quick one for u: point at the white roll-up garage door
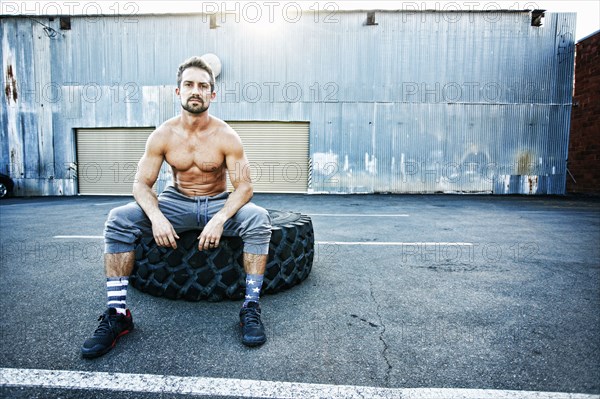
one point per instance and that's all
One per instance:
(277, 153)
(107, 159)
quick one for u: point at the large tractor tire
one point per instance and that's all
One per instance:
(217, 274)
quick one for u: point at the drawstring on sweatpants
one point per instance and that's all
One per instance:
(199, 212)
(206, 211)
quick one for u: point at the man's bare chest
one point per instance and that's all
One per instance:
(203, 156)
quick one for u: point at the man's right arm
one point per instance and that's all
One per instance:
(147, 173)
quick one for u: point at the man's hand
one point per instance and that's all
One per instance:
(211, 234)
(164, 233)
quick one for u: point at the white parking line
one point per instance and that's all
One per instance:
(371, 215)
(202, 386)
(79, 237)
(396, 243)
(110, 203)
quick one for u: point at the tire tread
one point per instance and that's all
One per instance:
(213, 275)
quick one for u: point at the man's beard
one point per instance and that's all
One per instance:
(196, 108)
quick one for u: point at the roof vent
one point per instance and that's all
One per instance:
(371, 19)
(537, 17)
(65, 23)
(213, 21)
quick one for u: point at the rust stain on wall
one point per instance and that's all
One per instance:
(533, 184)
(11, 85)
(525, 163)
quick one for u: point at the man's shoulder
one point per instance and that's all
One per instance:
(163, 132)
(159, 138)
(222, 126)
(169, 125)
(225, 132)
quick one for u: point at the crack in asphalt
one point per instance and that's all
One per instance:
(364, 320)
(381, 336)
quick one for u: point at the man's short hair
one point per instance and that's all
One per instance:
(196, 62)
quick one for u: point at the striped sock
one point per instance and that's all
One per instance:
(116, 292)
(253, 286)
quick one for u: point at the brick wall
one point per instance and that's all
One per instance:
(584, 143)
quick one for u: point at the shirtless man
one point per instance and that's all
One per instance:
(200, 150)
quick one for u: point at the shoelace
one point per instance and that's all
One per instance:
(104, 326)
(251, 317)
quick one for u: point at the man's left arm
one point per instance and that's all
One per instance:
(239, 175)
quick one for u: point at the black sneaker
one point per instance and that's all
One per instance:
(112, 326)
(253, 331)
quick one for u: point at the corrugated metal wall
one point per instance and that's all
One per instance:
(421, 102)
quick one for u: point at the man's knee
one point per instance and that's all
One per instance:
(262, 215)
(120, 216)
(122, 228)
(256, 218)
(113, 216)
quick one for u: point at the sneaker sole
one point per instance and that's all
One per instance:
(253, 344)
(91, 355)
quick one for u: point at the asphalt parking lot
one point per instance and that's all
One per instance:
(449, 292)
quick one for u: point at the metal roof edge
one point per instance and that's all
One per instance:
(588, 36)
(501, 11)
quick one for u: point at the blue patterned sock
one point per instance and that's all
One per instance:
(253, 286)
(116, 292)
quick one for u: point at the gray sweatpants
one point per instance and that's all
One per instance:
(127, 223)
